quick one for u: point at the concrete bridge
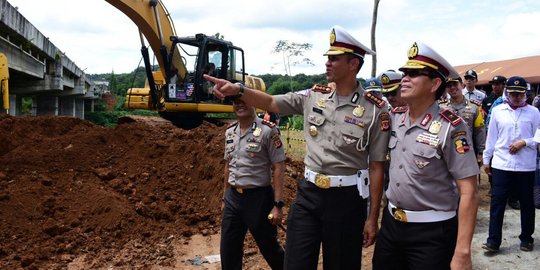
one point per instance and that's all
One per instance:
(40, 71)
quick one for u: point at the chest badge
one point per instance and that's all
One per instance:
(321, 103)
(313, 131)
(421, 164)
(257, 132)
(435, 127)
(358, 111)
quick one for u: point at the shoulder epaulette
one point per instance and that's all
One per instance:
(232, 124)
(321, 88)
(453, 118)
(268, 123)
(379, 102)
(400, 109)
(475, 102)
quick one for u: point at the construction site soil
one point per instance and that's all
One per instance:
(74, 195)
(142, 195)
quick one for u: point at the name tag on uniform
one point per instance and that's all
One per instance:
(317, 110)
(427, 138)
(230, 141)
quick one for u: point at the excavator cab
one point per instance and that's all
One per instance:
(205, 55)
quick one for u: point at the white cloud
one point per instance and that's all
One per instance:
(97, 36)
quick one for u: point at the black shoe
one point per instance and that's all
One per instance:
(514, 205)
(490, 247)
(526, 246)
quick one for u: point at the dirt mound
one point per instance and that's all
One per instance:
(70, 188)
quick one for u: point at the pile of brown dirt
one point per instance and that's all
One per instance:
(69, 188)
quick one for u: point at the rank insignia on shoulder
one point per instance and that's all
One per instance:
(321, 88)
(476, 102)
(268, 123)
(379, 102)
(453, 118)
(401, 109)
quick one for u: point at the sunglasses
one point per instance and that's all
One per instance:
(413, 73)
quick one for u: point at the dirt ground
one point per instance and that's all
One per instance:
(74, 195)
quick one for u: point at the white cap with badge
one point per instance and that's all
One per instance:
(342, 42)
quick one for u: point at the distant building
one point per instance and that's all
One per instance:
(526, 67)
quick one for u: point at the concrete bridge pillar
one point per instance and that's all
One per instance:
(45, 105)
(79, 108)
(15, 105)
(67, 106)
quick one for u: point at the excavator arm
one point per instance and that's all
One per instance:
(155, 24)
(4, 78)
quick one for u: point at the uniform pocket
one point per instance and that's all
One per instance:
(351, 136)
(425, 151)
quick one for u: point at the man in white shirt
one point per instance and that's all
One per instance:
(470, 92)
(510, 144)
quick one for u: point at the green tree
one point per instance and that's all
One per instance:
(292, 54)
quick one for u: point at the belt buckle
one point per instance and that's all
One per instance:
(239, 190)
(399, 214)
(322, 181)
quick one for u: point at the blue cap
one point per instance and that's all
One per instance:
(373, 85)
(516, 84)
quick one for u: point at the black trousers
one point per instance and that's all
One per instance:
(503, 183)
(249, 211)
(334, 217)
(423, 246)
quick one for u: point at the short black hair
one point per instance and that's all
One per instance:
(351, 56)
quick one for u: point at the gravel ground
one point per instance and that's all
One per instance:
(509, 255)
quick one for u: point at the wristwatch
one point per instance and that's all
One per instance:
(242, 89)
(279, 204)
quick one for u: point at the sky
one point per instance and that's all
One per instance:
(99, 38)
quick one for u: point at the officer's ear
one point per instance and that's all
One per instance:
(436, 84)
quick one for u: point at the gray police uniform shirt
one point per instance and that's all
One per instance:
(250, 156)
(340, 134)
(427, 157)
(474, 94)
(472, 114)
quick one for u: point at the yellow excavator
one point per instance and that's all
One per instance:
(4, 78)
(177, 90)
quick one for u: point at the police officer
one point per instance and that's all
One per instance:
(470, 91)
(342, 127)
(497, 86)
(252, 148)
(432, 175)
(391, 81)
(470, 111)
(510, 143)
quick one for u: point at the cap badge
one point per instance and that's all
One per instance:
(333, 37)
(413, 51)
(358, 111)
(516, 82)
(385, 79)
